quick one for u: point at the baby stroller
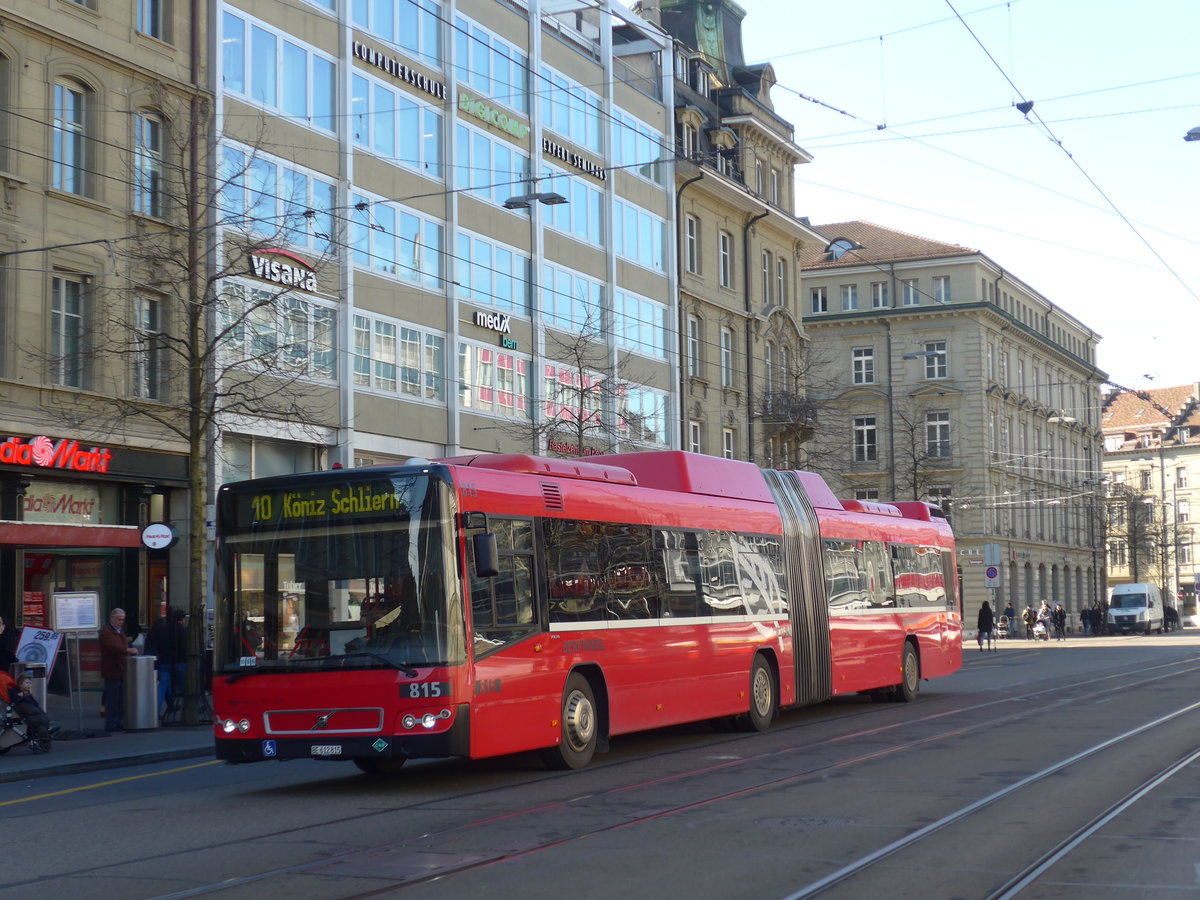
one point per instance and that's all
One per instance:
(1040, 631)
(22, 720)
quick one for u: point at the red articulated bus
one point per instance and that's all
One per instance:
(494, 604)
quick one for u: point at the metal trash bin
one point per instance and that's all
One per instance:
(141, 694)
(38, 671)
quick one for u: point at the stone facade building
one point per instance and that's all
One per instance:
(943, 377)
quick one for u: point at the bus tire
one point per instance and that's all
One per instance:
(381, 767)
(580, 723)
(764, 702)
(910, 676)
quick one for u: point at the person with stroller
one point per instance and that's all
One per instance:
(24, 720)
(1045, 621)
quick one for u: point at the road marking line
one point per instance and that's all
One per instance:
(92, 787)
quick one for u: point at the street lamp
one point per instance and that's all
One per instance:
(524, 201)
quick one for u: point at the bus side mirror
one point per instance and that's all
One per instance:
(487, 555)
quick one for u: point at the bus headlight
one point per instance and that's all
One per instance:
(228, 726)
(243, 726)
(429, 720)
(409, 721)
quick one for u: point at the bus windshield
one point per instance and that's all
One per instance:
(320, 573)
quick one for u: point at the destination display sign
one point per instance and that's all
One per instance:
(323, 501)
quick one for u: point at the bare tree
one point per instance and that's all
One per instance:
(591, 405)
(209, 318)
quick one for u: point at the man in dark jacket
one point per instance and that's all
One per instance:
(114, 660)
(167, 643)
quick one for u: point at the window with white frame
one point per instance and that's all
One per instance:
(820, 299)
(691, 243)
(396, 128)
(69, 164)
(781, 281)
(414, 26)
(725, 258)
(67, 329)
(640, 324)
(866, 448)
(147, 164)
(938, 494)
(767, 276)
(399, 359)
(910, 292)
(941, 288)
(639, 235)
(637, 147)
(727, 439)
(491, 273)
(396, 241)
(759, 182)
(490, 168)
(694, 443)
(582, 216)
(866, 493)
(863, 362)
(769, 369)
(937, 434)
(849, 297)
(490, 65)
(273, 198)
(642, 414)
(570, 110)
(1117, 555)
(270, 68)
(775, 187)
(879, 295)
(493, 381)
(270, 329)
(153, 18)
(1181, 476)
(1185, 552)
(1182, 511)
(936, 360)
(149, 352)
(571, 300)
(687, 140)
(693, 346)
(726, 357)
(572, 396)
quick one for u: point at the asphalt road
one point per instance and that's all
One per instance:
(1065, 770)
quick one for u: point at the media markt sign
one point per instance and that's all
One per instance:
(158, 536)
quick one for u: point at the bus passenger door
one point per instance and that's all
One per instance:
(513, 701)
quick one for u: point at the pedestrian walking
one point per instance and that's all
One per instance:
(1011, 618)
(1029, 617)
(1059, 617)
(167, 643)
(985, 625)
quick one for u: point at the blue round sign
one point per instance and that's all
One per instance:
(991, 572)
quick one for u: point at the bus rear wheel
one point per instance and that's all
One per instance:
(763, 701)
(380, 766)
(910, 669)
(580, 727)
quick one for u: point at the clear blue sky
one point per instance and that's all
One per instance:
(1115, 85)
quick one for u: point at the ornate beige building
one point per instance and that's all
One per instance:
(743, 343)
(1152, 471)
(941, 376)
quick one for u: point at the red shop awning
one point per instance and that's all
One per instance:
(39, 534)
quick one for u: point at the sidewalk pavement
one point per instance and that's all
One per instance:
(89, 748)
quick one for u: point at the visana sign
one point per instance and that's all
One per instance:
(65, 454)
(283, 267)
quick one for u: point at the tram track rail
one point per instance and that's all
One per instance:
(1094, 688)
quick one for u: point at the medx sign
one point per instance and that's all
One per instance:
(496, 321)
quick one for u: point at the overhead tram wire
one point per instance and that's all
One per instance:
(1026, 106)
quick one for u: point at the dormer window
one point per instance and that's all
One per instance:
(839, 248)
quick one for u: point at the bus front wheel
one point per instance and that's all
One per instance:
(579, 724)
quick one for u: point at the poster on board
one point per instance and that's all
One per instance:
(39, 646)
(76, 611)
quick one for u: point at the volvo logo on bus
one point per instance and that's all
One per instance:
(323, 721)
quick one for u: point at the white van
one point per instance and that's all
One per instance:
(1135, 607)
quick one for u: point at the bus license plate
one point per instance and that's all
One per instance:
(326, 749)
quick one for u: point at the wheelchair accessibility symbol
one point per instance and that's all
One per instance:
(269, 748)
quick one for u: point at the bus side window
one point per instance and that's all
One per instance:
(503, 607)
